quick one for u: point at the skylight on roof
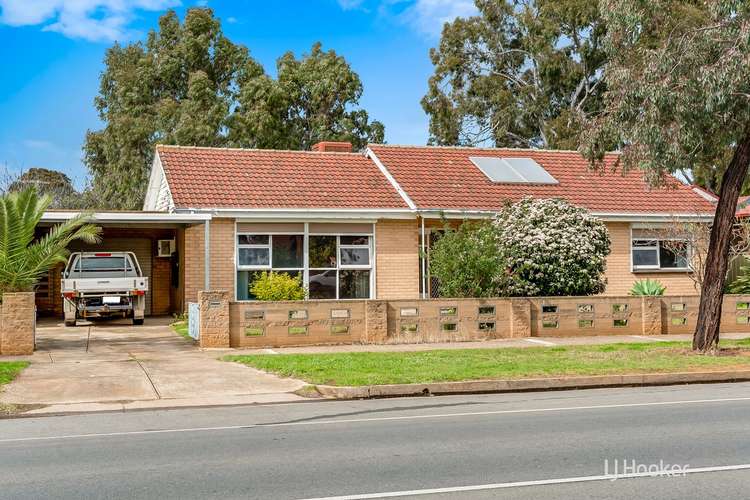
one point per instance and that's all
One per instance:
(512, 170)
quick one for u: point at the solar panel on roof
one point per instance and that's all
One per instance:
(496, 169)
(512, 170)
(530, 170)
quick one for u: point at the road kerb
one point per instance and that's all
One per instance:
(530, 384)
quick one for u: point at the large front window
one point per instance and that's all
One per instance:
(334, 266)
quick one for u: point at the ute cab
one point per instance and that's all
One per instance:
(102, 285)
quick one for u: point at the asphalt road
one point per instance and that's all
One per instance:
(530, 445)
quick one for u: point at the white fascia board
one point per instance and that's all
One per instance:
(128, 217)
(653, 217)
(456, 214)
(302, 214)
(154, 184)
(605, 216)
(369, 153)
(157, 178)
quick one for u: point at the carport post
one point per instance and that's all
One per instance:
(206, 256)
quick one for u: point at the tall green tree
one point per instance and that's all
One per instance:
(188, 84)
(674, 97)
(25, 258)
(313, 98)
(520, 73)
(175, 88)
(47, 182)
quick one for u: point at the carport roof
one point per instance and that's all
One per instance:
(129, 217)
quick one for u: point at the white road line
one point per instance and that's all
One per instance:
(375, 419)
(540, 482)
(537, 341)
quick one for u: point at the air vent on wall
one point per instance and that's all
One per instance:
(512, 170)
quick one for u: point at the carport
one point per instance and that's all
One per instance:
(156, 238)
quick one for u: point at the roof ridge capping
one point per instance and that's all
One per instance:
(490, 148)
(259, 150)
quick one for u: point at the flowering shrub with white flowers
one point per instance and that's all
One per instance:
(550, 247)
(532, 248)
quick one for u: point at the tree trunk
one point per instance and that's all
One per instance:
(706, 335)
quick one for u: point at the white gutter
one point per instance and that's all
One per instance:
(128, 217)
(305, 213)
(605, 216)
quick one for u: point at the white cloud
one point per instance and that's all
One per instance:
(427, 17)
(96, 20)
(350, 4)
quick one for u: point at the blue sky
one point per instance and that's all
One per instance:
(53, 49)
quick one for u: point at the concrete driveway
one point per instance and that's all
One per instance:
(114, 365)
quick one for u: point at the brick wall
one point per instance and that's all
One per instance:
(620, 278)
(222, 258)
(17, 324)
(397, 249)
(267, 324)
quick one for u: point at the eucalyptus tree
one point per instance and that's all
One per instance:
(189, 84)
(520, 73)
(678, 91)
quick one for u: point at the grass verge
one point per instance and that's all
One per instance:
(374, 368)
(181, 328)
(10, 370)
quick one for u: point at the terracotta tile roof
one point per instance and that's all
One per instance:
(247, 178)
(445, 178)
(743, 207)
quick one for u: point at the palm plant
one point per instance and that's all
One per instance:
(24, 259)
(647, 287)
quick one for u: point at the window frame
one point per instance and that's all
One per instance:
(339, 266)
(340, 247)
(306, 269)
(268, 246)
(657, 248)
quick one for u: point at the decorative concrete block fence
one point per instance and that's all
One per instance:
(273, 324)
(17, 324)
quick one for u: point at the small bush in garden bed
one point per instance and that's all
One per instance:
(741, 284)
(278, 286)
(533, 247)
(647, 287)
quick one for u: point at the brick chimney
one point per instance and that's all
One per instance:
(332, 147)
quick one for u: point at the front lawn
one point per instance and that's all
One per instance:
(371, 368)
(10, 370)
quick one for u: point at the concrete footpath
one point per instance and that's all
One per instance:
(110, 366)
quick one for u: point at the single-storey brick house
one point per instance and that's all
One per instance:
(356, 225)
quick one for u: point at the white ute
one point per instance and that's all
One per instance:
(102, 285)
